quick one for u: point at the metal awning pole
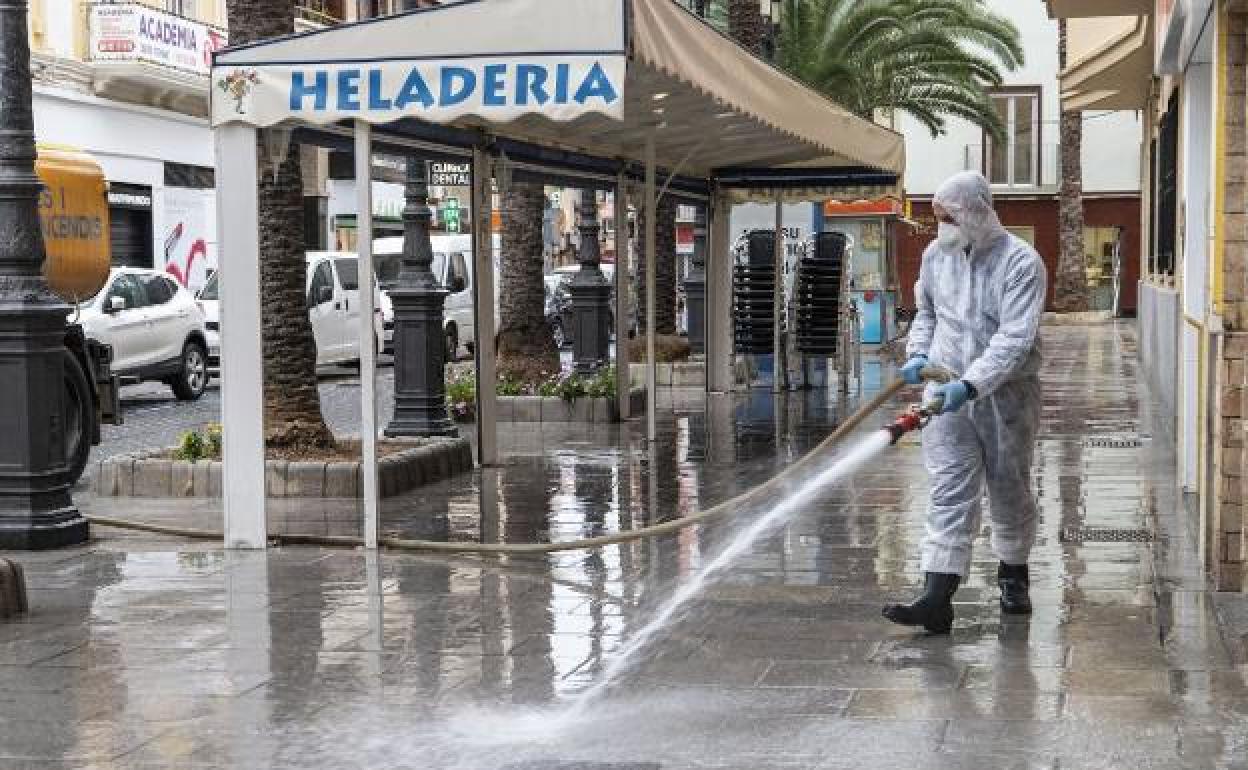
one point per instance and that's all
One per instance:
(651, 400)
(483, 310)
(623, 378)
(777, 323)
(367, 331)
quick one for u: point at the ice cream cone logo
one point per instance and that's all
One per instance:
(237, 85)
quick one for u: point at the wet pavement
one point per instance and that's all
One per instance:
(150, 652)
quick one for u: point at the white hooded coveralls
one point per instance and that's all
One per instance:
(978, 316)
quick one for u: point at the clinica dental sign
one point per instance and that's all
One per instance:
(560, 87)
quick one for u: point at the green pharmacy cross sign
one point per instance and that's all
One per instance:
(450, 215)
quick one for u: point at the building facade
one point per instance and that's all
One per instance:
(1183, 63)
(128, 83)
(1024, 170)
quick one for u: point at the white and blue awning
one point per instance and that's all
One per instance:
(590, 76)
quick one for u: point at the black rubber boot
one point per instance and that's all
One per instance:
(1014, 582)
(934, 609)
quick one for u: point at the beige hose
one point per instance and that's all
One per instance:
(654, 530)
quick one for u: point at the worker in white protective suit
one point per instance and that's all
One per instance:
(980, 296)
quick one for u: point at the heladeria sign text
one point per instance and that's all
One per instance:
(561, 88)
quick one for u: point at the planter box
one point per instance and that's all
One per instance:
(679, 374)
(555, 409)
(152, 474)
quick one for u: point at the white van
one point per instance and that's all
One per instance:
(333, 300)
(453, 267)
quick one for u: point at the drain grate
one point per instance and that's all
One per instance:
(1105, 535)
(1112, 442)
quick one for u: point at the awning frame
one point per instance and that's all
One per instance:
(783, 163)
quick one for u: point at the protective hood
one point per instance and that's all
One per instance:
(967, 197)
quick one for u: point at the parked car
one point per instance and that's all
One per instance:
(453, 267)
(154, 327)
(333, 301)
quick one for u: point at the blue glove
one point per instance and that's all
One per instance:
(955, 395)
(910, 372)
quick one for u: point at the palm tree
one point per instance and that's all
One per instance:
(1070, 292)
(526, 347)
(292, 401)
(745, 25)
(930, 59)
(664, 268)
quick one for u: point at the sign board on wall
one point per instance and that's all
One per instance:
(498, 89)
(450, 174)
(133, 32)
(185, 235)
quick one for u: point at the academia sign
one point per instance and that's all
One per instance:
(132, 32)
(498, 89)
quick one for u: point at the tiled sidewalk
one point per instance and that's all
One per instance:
(148, 652)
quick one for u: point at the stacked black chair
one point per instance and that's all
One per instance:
(818, 295)
(753, 294)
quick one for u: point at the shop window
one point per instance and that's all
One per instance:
(1015, 160)
(1165, 190)
(192, 177)
(1101, 247)
(1024, 232)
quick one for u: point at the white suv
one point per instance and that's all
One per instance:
(154, 327)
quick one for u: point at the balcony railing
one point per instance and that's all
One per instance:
(315, 14)
(1026, 168)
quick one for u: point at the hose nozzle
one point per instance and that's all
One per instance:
(906, 422)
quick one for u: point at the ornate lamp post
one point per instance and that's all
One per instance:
(591, 295)
(695, 285)
(36, 510)
(419, 342)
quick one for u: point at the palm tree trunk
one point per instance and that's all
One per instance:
(745, 25)
(1071, 287)
(292, 401)
(664, 268)
(526, 348)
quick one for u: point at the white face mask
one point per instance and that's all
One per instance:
(950, 237)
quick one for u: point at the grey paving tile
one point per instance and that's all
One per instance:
(963, 704)
(860, 676)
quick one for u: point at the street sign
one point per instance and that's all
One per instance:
(450, 174)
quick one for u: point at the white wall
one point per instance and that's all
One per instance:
(58, 20)
(1111, 151)
(114, 130)
(1196, 185)
(1111, 143)
(131, 144)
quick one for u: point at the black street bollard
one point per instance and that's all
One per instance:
(591, 295)
(419, 342)
(36, 510)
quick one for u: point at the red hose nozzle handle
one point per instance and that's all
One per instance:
(912, 420)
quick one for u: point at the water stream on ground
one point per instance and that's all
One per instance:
(843, 467)
(501, 728)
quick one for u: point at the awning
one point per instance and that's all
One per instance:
(590, 76)
(601, 92)
(1115, 72)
